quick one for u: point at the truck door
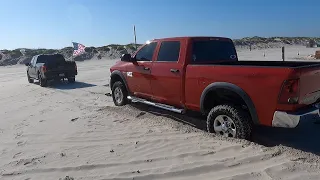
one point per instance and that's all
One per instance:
(167, 72)
(139, 71)
(32, 68)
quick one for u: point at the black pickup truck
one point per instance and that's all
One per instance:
(50, 67)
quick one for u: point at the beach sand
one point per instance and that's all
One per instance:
(70, 131)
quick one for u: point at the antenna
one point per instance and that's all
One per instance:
(135, 36)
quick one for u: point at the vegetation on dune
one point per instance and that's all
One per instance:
(285, 40)
(33, 52)
(15, 53)
(104, 48)
(133, 46)
(113, 51)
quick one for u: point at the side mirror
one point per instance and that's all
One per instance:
(27, 64)
(126, 57)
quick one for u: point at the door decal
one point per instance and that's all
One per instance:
(129, 74)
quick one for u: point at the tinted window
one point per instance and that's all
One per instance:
(33, 61)
(213, 51)
(169, 51)
(57, 58)
(146, 53)
(41, 59)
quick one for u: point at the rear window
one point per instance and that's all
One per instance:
(204, 52)
(57, 58)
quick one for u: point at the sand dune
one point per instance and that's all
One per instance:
(74, 131)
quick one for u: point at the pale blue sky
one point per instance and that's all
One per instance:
(55, 23)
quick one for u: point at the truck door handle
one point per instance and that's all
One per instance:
(174, 70)
(146, 68)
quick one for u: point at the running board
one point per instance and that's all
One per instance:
(159, 105)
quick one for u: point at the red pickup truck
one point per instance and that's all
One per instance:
(203, 74)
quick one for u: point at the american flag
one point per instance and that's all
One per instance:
(78, 48)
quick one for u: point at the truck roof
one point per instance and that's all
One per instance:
(191, 37)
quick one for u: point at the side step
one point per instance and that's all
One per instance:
(159, 105)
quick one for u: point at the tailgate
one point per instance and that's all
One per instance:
(61, 67)
(58, 68)
(309, 85)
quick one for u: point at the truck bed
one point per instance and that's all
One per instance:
(267, 78)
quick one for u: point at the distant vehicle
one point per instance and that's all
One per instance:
(50, 67)
(203, 74)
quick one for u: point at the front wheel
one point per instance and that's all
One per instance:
(229, 121)
(119, 94)
(29, 78)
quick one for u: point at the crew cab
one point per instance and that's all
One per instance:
(204, 74)
(50, 67)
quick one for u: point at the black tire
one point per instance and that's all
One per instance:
(43, 82)
(71, 79)
(29, 79)
(118, 87)
(240, 118)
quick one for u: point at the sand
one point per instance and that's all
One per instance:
(68, 131)
(292, 53)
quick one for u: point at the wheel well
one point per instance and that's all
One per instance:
(223, 96)
(114, 79)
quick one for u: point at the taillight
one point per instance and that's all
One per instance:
(44, 69)
(289, 92)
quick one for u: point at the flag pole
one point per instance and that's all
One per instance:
(135, 36)
(72, 51)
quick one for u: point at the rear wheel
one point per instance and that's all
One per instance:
(119, 94)
(29, 79)
(229, 121)
(43, 82)
(71, 79)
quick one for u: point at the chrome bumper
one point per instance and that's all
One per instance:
(291, 120)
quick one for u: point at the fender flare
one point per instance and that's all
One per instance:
(236, 89)
(118, 73)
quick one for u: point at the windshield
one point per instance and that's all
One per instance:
(212, 51)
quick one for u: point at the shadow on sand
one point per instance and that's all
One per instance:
(65, 85)
(305, 137)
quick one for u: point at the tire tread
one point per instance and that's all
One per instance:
(240, 117)
(124, 91)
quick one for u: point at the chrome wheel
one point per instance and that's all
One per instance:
(118, 95)
(224, 126)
